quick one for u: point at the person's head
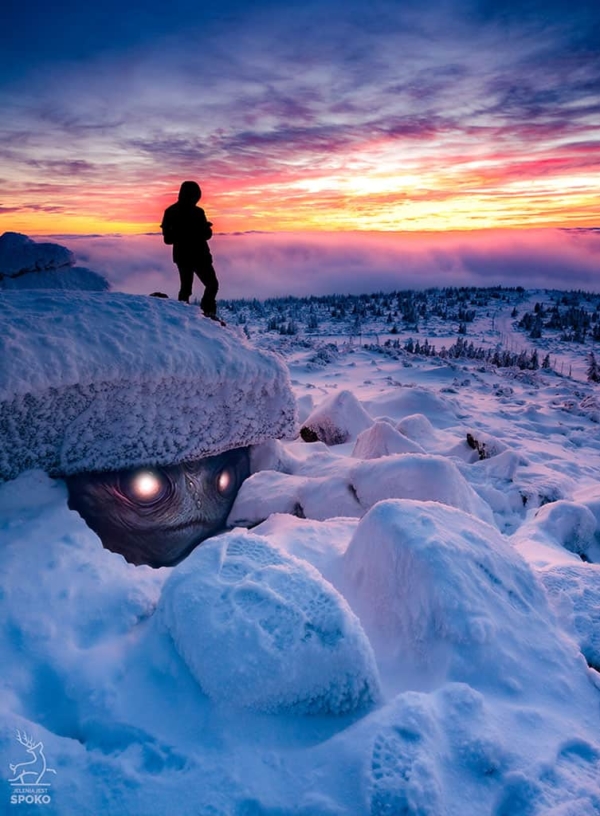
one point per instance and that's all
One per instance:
(190, 192)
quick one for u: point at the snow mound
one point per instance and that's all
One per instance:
(590, 498)
(269, 492)
(348, 488)
(570, 525)
(322, 544)
(109, 381)
(382, 439)
(414, 476)
(261, 628)
(66, 603)
(448, 599)
(502, 467)
(73, 572)
(27, 264)
(418, 428)
(410, 400)
(336, 420)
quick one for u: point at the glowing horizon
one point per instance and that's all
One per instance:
(326, 203)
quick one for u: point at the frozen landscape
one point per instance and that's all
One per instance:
(403, 615)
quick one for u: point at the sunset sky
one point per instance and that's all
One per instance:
(298, 116)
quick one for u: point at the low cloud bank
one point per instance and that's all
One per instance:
(266, 265)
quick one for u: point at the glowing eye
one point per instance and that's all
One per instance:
(145, 486)
(224, 481)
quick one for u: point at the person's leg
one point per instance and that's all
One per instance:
(186, 277)
(208, 276)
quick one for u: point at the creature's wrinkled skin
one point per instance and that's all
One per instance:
(157, 515)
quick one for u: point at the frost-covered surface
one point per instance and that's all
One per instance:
(109, 381)
(28, 264)
(252, 623)
(436, 609)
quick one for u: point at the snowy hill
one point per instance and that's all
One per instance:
(403, 617)
(27, 264)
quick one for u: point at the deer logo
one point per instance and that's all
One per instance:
(33, 771)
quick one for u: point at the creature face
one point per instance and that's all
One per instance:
(157, 515)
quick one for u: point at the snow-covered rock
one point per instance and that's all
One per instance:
(261, 629)
(20, 255)
(109, 381)
(561, 532)
(28, 264)
(381, 439)
(419, 429)
(337, 419)
(571, 525)
(486, 445)
(447, 599)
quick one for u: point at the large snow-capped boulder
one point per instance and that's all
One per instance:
(261, 629)
(93, 382)
(28, 264)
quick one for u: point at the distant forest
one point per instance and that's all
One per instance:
(575, 315)
(394, 321)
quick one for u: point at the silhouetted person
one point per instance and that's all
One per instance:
(185, 226)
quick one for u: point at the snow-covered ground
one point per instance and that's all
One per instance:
(404, 622)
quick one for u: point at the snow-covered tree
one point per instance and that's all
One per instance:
(593, 372)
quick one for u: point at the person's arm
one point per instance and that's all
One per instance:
(205, 226)
(168, 228)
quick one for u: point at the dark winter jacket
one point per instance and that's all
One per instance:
(186, 227)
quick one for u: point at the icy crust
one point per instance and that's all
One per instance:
(261, 629)
(108, 381)
(28, 264)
